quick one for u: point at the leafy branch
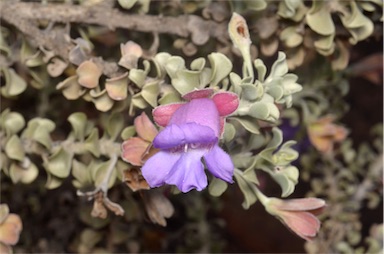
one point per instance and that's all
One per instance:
(26, 16)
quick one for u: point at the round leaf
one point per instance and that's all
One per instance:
(217, 187)
(221, 67)
(14, 149)
(12, 122)
(59, 163)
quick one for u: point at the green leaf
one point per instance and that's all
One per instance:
(99, 173)
(229, 132)
(186, 81)
(249, 92)
(14, 148)
(286, 154)
(101, 100)
(81, 174)
(357, 24)
(235, 82)
(277, 138)
(150, 92)
(139, 102)
(114, 125)
(128, 132)
(221, 67)
(277, 92)
(14, 84)
(78, 121)
(12, 122)
(287, 178)
(160, 61)
(205, 77)
(92, 143)
(31, 57)
(259, 110)
(279, 67)
(24, 172)
(250, 175)
(170, 97)
(245, 187)
(325, 45)
(290, 37)
(242, 160)
(198, 64)
(70, 88)
(290, 85)
(4, 163)
(248, 123)
(319, 19)
(273, 112)
(4, 211)
(137, 76)
(261, 69)
(255, 142)
(217, 187)
(173, 65)
(38, 129)
(53, 182)
(59, 163)
(256, 5)
(287, 9)
(144, 6)
(127, 4)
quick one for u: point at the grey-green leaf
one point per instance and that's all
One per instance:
(59, 163)
(221, 67)
(217, 187)
(245, 187)
(14, 149)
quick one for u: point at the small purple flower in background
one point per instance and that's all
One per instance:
(192, 131)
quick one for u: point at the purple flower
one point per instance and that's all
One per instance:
(192, 131)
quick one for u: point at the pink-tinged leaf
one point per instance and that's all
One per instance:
(340, 133)
(10, 229)
(301, 204)
(163, 114)
(198, 94)
(89, 74)
(304, 224)
(145, 128)
(226, 102)
(133, 149)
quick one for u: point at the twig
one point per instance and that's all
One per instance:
(96, 15)
(24, 16)
(104, 184)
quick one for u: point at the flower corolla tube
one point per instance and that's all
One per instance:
(192, 132)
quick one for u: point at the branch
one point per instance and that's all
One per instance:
(24, 16)
(96, 15)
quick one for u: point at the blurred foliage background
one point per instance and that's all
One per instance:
(76, 73)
